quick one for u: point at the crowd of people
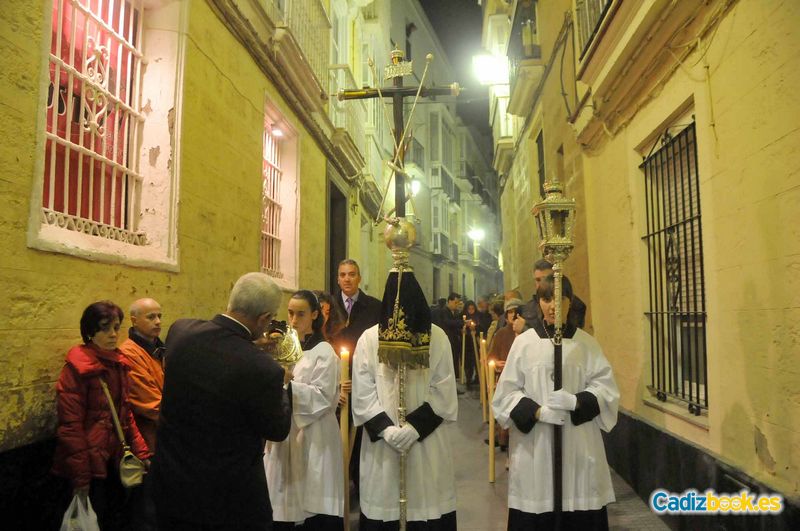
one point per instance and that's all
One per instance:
(230, 439)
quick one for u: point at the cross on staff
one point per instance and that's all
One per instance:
(398, 92)
(400, 233)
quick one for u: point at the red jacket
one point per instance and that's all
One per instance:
(87, 438)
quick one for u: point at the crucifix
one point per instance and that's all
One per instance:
(405, 325)
(398, 92)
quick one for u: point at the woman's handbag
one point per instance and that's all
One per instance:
(131, 468)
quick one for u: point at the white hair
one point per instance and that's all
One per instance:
(254, 294)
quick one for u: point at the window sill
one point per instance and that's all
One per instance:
(57, 240)
(677, 410)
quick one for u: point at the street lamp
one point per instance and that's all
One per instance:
(555, 219)
(415, 187)
(476, 235)
(490, 69)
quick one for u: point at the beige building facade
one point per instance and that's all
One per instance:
(672, 125)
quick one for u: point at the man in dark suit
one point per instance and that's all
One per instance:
(450, 320)
(361, 310)
(529, 315)
(223, 397)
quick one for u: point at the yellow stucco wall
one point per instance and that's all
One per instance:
(521, 236)
(221, 146)
(750, 193)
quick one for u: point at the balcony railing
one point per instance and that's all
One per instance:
(350, 115)
(523, 43)
(310, 26)
(589, 14)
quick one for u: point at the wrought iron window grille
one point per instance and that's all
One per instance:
(677, 313)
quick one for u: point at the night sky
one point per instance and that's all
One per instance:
(458, 25)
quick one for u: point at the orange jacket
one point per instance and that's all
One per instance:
(147, 383)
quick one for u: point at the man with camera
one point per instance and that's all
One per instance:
(223, 397)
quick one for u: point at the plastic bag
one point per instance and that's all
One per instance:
(79, 516)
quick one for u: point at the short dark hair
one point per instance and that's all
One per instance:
(453, 296)
(349, 261)
(547, 288)
(542, 265)
(94, 315)
(497, 308)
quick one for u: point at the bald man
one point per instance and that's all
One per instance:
(145, 351)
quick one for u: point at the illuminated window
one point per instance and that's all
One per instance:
(279, 224)
(270, 196)
(91, 177)
(106, 180)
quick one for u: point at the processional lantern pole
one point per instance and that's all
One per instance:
(555, 220)
(409, 350)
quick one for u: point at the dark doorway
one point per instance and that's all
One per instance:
(337, 232)
(437, 285)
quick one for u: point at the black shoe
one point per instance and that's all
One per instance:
(486, 442)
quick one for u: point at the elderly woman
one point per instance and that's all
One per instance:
(88, 448)
(304, 472)
(526, 403)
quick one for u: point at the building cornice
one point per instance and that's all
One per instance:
(278, 55)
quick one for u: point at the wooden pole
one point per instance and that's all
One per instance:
(462, 372)
(482, 377)
(558, 433)
(476, 353)
(344, 426)
(491, 422)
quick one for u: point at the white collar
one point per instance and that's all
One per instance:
(354, 297)
(249, 333)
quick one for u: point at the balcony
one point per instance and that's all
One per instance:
(589, 15)
(309, 27)
(440, 246)
(487, 259)
(441, 179)
(348, 119)
(503, 136)
(415, 157)
(526, 67)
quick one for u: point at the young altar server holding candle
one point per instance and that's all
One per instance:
(305, 472)
(525, 402)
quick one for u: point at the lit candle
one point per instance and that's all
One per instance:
(491, 422)
(345, 365)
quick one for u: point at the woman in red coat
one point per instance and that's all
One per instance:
(88, 448)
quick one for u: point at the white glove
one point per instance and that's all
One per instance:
(562, 399)
(407, 437)
(552, 416)
(391, 435)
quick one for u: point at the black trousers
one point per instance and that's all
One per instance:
(170, 523)
(582, 520)
(446, 523)
(318, 522)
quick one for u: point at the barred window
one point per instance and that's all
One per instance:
(280, 182)
(91, 178)
(270, 196)
(97, 192)
(677, 312)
